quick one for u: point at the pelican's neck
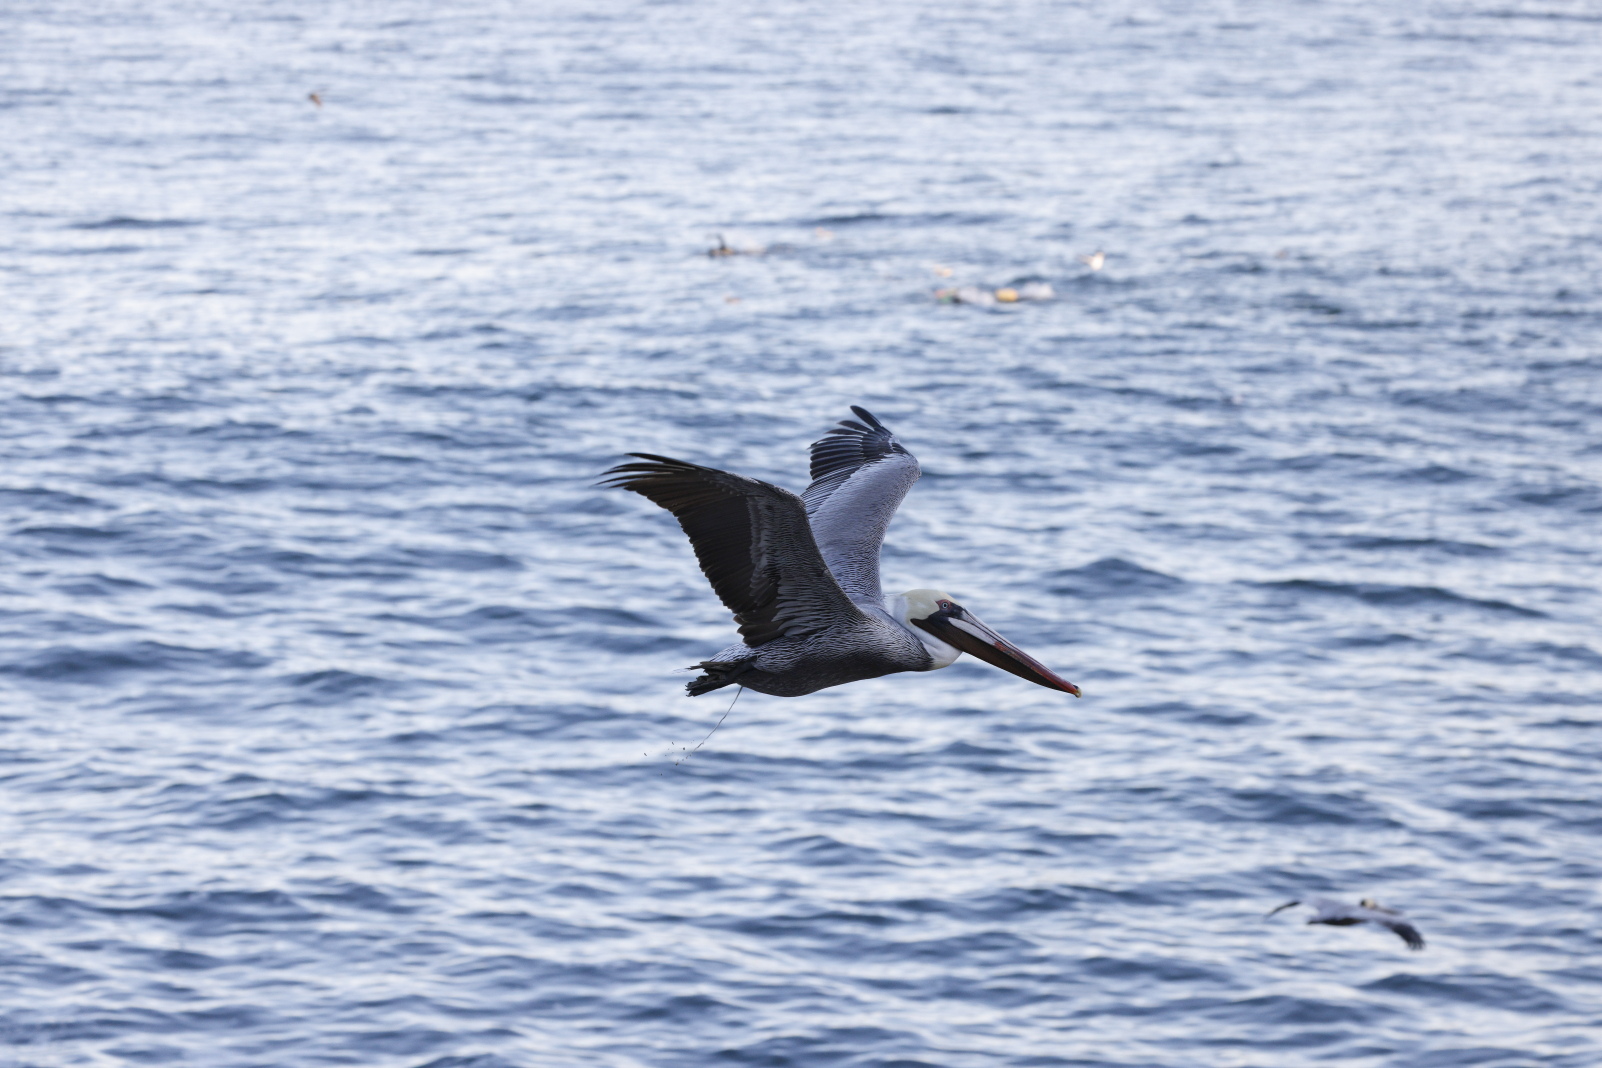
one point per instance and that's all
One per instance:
(940, 654)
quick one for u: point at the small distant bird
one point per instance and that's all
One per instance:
(315, 98)
(801, 573)
(723, 248)
(965, 295)
(1095, 261)
(1340, 914)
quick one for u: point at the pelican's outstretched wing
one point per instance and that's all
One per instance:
(1374, 912)
(1407, 931)
(753, 542)
(860, 473)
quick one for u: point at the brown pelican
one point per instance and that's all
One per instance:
(801, 574)
(1340, 914)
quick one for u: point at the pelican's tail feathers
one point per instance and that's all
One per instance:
(716, 675)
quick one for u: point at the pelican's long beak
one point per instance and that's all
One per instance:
(961, 629)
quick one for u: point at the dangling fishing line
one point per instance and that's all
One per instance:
(714, 729)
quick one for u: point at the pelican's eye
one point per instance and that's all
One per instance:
(947, 606)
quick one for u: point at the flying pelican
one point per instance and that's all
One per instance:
(801, 574)
(1340, 914)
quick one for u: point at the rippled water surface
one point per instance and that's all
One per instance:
(341, 710)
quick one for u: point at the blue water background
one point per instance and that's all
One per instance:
(340, 709)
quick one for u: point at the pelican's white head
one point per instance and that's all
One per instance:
(915, 605)
(948, 630)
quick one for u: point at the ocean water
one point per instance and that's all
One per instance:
(343, 714)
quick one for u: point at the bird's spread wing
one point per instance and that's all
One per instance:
(1374, 912)
(860, 473)
(1385, 917)
(753, 541)
(1407, 931)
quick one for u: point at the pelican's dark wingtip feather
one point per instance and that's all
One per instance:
(653, 462)
(618, 474)
(866, 416)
